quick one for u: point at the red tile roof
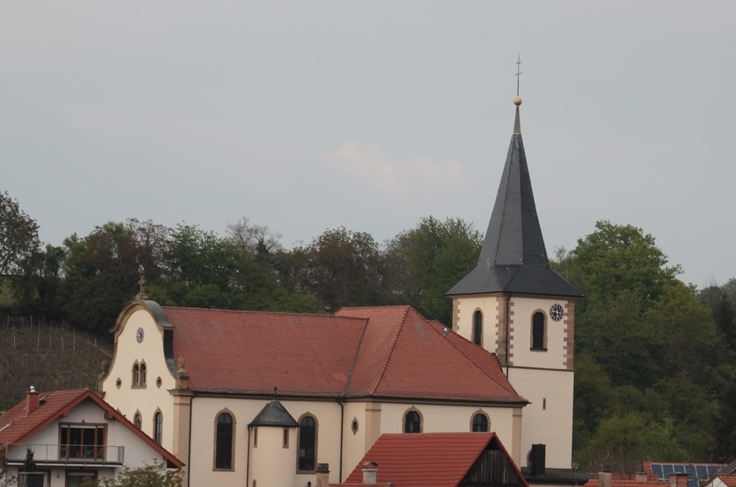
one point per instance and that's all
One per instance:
(625, 483)
(358, 352)
(425, 459)
(17, 426)
(729, 480)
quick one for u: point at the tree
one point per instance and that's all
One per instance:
(18, 236)
(616, 258)
(255, 239)
(340, 267)
(425, 262)
(155, 475)
(102, 270)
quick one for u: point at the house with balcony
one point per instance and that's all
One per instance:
(57, 439)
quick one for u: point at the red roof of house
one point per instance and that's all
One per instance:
(729, 480)
(425, 459)
(17, 426)
(358, 352)
(617, 482)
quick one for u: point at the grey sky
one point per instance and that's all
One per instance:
(305, 116)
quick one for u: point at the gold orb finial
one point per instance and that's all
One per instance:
(517, 101)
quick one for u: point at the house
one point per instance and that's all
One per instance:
(239, 395)
(71, 435)
(656, 474)
(722, 480)
(437, 460)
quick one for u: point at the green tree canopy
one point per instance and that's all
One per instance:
(155, 475)
(425, 262)
(18, 236)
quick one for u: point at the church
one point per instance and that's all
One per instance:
(262, 399)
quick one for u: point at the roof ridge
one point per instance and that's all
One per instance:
(260, 312)
(392, 348)
(355, 359)
(511, 390)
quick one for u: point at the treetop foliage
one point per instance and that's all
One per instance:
(18, 236)
(656, 360)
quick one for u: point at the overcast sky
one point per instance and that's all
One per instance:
(311, 115)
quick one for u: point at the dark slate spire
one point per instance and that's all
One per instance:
(274, 414)
(513, 258)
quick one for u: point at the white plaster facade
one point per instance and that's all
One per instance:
(345, 429)
(543, 376)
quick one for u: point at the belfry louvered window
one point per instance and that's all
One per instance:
(538, 331)
(478, 328)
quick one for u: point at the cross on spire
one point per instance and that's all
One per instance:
(518, 73)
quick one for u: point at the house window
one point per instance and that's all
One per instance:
(480, 423)
(224, 441)
(412, 422)
(157, 426)
(539, 330)
(75, 479)
(82, 441)
(138, 420)
(31, 479)
(307, 443)
(286, 438)
(478, 328)
(142, 377)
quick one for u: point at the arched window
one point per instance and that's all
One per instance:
(480, 423)
(138, 420)
(412, 422)
(478, 328)
(136, 374)
(307, 443)
(142, 375)
(158, 421)
(538, 331)
(224, 441)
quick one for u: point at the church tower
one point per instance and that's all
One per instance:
(514, 305)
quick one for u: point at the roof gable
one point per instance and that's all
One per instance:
(17, 426)
(429, 459)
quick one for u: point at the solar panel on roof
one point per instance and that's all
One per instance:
(698, 474)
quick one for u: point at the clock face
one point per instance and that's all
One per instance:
(556, 312)
(139, 335)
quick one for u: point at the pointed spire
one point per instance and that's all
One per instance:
(513, 257)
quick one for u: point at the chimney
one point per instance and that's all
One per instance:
(678, 480)
(605, 478)
(537, 459)
(31, 400)
(323, 475)
(641, 477)
(370, 473)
